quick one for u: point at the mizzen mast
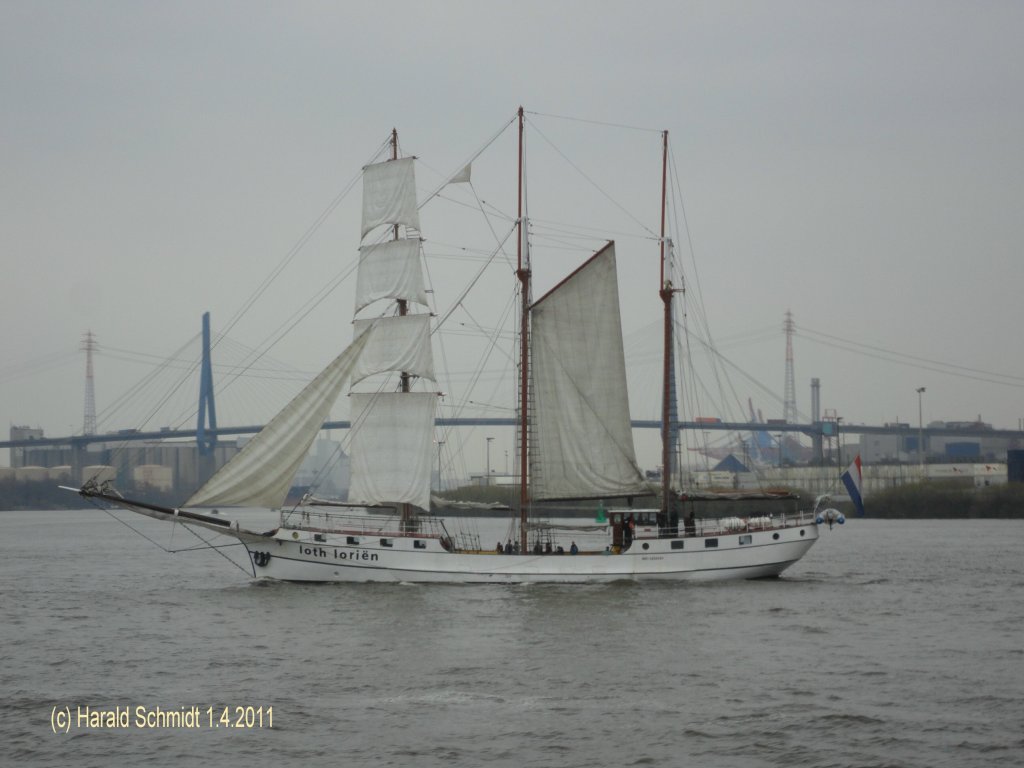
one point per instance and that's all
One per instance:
(523, 273)
(665, 291)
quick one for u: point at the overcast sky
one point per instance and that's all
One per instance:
(857, 163)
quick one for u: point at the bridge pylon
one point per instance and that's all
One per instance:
(207, 418)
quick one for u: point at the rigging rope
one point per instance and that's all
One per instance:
(208, 545)
(594, 184)
(594, 122)
(961, 371)
(471, 159)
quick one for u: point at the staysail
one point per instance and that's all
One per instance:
(582, 441)
(261, 474)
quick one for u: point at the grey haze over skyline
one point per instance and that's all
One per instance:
(857, 163)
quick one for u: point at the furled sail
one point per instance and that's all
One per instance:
(391, 449)
(582, 441)
(390, 270)
(261, 474)
(399, 343)
(389, 195)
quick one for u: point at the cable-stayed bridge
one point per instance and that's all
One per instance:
(818, 430)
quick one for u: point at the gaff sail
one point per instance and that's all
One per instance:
(582, 441)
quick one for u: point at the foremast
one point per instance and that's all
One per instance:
(403, 304)
(393, 426)
(403, 310)
(392, 431)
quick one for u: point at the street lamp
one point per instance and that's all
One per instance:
(489, 441)
(439, 444)
(920, 429)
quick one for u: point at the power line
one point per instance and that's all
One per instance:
(912, 361)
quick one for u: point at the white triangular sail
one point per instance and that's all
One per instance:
(399, 343)
(390, 270)
(391, 451)
(389, 195)
(261, 474)
(463, 176)
(582, 441)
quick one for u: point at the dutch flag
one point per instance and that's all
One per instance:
(852, 480)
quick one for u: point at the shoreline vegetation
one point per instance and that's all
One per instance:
(946, 499)
(933, 499)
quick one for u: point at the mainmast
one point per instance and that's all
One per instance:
(665, 291)
(523, 273)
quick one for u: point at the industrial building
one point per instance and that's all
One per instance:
(176, 467)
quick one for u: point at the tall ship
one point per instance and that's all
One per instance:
(574, 440)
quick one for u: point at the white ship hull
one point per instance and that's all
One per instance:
(292, 555)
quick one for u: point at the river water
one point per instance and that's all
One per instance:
(892, 643)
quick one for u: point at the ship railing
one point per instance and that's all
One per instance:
(726, 525)
(362, 524)
(466, 542)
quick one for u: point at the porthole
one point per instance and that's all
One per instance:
(387, 543)
(678, 544)
(351, 540)
(802, 531)
(775, 536)
(709, 543)
(646, 545)
(418, 544)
